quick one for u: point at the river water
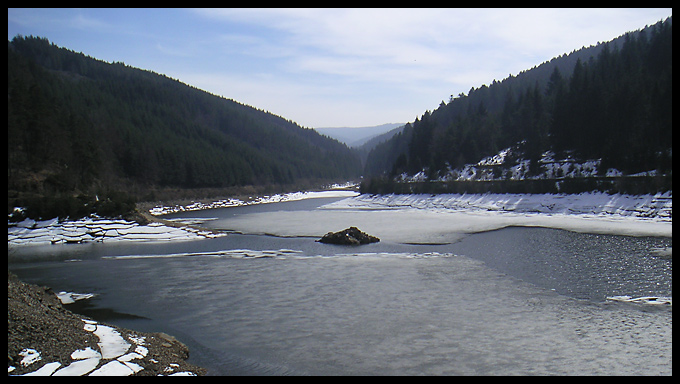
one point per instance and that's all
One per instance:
(514, 301)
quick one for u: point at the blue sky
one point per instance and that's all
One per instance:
(331, 67)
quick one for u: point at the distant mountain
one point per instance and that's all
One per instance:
(80, 125)
(611, 103)
(357, 136)
(364, 149)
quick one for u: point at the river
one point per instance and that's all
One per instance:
(512, 301)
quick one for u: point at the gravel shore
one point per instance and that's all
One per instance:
(37, 322)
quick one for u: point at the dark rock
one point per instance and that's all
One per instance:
(349, 236)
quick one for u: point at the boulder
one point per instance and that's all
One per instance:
(349, 236)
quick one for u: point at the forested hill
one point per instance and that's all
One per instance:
(610, 102)
(77, 125)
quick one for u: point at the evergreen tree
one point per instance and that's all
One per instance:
(86, 124)
(611, 102)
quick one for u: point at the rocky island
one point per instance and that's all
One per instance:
(349, 236)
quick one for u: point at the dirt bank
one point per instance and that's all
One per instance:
(37, 321)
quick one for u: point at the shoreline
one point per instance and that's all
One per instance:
(443, 219)
(162, 208)
(145, 224)
(587, 212)
(46, 339)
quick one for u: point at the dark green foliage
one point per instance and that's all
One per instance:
(108, 204)
(611, 102)
(77, 124)
(633, 185)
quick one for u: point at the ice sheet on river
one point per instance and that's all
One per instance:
(30, 232)
(446, 218)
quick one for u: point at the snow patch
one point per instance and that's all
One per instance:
(113, 368)
(111, 343)
(45, 370)
(277, 198)
(29, 232)
(80, 367)
(112, 346)
(499, 167)
(658, 207)
(30, 356)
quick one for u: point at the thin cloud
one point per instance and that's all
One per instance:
(391, 64)
(363, 44)
(413, 51)
(56, 19)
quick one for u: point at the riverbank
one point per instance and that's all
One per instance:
(657, 206)
(31, 233)
(163, 208)
(44, 338)
(450, 215)
(445, 219)
(145, 225)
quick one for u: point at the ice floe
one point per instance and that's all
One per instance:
(111, 343)
(30, 232)
(85, 361)
(229, 253)
(45, 370)
(70, 297)
(649, 300)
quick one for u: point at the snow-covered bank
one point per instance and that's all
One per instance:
(233, 202)
(46, 339)
(656, 207)
(641, 215)
(53, 231)
(447, 218)
(401, 218)
(30, 232)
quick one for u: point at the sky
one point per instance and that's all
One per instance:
(331, 67)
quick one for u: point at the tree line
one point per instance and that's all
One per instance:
(78, 125)
(611, 102)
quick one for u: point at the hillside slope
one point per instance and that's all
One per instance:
(80, 125)
(610, 103)
(357, 136)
